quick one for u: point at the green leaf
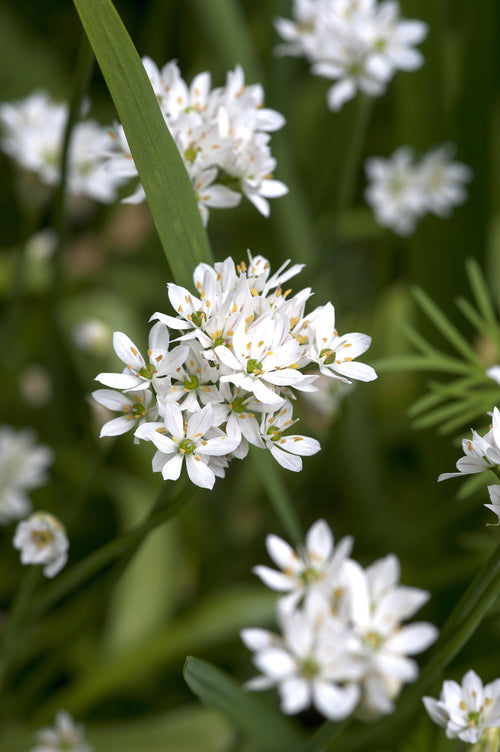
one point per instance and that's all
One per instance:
(264, 726)
(480, 291)
(445, 326)
(161, 170)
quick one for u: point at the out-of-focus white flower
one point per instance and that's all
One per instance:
(33, 132)
(92, 336)
(494, 492)
(222, 135)
(443, 181)
(401, 190)
(65, 735)
(360, 44)
(466, 710)
(244, 349)
(42, 539)
(494, 373)
(314, 663)
(35, 385)
(23, 467)
(379, 606)
(481, 452)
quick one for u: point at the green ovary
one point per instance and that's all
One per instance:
(254, 366)
(328, 355)
(147, 372)
(186, 446)
(191, 382)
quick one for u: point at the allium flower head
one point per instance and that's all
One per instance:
(42, 539)
(480, 452)
(360, 44)
(243, 346)
(344, 645)
(402, 190)
(66, 736)
(222, 135)
(33, 132)
(23, 467)
(466, 710)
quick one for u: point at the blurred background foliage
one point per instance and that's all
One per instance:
(112, 652)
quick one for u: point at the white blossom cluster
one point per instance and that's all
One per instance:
(65, 735)
(468, 711)
(23, 467)
(401, 191)
(482, 453)
(222, 135)
(245, 346)
(32, 134)
(359, 44)
(343, 647)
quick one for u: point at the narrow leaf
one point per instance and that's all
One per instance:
(444, 325)
(480, 291)
(161, 170)
(267, 728)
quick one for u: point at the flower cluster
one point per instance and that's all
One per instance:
(482, 453)
(66, 735)
(42, 539)
(343, 647)
(359, 44)
(33, 132)
(401, 191)
(23, 467)
(230, 377)
(222, 135)
(468, 710)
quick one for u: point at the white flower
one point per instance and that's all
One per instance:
(401, 191)
(335, 354)
(494, 373)
(33, 136)
(307, 569)
(66, 735)
(466, 710)
(313, 663)
(494, 492)
(42, 539)
(394, 191)
(360, 44)
(481, 452)
(379, 605)
(133, 405)
(286, 448)
(23, 467)
(443, 181)
(92, 336)
(194, 440)
(222, 135)
(137, 374)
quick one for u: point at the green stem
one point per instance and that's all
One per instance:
(326, 733)
(16, 617)
(83, 72)
(278, 495)
(123, 546)
(458, 629)
(352, 162)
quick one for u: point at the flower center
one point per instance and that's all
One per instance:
(42, 538)
(275, 433)
(191, 382)
(238, 405)
(198, 317)
(309, 576)
(147, 372)
(186, 446)
(328, 355)
(254, 366)
(373, 640)
(309, 668)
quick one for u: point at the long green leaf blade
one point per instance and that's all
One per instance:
(269, 730)
(161, 170)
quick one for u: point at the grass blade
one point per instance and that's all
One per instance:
(161, 170)
(269, 730)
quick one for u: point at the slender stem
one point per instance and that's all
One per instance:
(123, 546)
(16, 617)
(83, 72)
(326, 733)
(278, 495)
(352, 162)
